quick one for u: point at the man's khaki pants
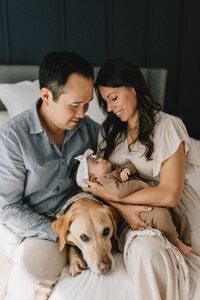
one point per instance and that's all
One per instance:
(37, 265)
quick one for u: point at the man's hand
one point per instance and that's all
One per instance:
(124, 174)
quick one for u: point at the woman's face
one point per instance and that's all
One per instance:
(122, 101)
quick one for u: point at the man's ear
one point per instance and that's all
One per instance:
(46, 95)
(94, 179)
(61, 227)
(134, 92)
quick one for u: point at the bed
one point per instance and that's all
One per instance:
(19, 89)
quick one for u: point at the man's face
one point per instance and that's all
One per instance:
(71, 106)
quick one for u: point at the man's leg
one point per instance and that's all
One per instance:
(37, 266)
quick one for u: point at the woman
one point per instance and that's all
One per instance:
(158, 145)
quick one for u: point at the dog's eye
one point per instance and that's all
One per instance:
(84, 237)
(106, 231)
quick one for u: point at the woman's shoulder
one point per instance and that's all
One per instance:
(162, 117)
(163, 121)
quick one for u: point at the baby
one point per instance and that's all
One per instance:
(123, 181)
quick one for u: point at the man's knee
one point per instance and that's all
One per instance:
(37, 266)
(40, 258)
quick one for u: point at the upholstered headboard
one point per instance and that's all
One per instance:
(15, 73)
(155, 78)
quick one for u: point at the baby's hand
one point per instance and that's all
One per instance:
(124, 174)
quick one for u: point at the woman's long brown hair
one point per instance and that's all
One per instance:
(121, 72)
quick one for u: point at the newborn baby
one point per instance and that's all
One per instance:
(122, 181)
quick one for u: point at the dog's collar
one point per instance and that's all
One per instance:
(75, 198)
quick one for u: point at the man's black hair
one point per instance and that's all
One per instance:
(58, 66)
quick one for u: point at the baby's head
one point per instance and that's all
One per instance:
(91, 168)
(97, 167)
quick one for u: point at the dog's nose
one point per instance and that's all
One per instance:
(105, 266)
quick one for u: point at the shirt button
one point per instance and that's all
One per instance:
(61, 180)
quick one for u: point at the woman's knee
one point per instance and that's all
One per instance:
(145, 247)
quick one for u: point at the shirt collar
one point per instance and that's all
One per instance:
(36, 126)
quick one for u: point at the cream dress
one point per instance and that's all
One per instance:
(157, 268)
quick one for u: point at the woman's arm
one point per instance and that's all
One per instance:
(167, 193)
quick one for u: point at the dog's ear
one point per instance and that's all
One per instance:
(60, 227)
(115, 218)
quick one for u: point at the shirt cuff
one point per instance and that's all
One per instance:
(48, 233)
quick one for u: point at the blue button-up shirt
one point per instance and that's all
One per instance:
(35, 176)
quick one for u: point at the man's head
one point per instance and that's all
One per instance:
(66, 83)
(58, 66)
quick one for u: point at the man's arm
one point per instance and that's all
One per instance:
(14, 213)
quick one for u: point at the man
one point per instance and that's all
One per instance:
(37, 159)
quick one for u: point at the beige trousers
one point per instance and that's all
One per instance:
(37, 266)
(154, 269)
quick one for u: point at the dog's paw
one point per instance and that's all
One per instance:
(77, 267)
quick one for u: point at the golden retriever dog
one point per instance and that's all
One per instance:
(87, 227)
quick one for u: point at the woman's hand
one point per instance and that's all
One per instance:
(131, 214)
(98, 190)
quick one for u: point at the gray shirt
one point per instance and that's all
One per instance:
(35, 176)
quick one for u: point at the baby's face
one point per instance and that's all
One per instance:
(98, 166)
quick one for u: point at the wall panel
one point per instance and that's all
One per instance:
(34, 28)
(129, 30)
(153, 33)
(189, 70)
(2, 58)
(163, 44)
(85, 28)
(4, 40)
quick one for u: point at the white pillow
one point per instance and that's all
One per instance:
(3, 117)
(94, 112)
(17, 97)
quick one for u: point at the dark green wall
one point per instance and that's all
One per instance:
(153, 33)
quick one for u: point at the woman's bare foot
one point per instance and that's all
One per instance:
(183, 248)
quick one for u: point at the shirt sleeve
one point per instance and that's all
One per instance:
(113, 183)
(130, 166)
(168, 137)
(14, 212)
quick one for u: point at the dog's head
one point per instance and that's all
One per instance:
(89, 226)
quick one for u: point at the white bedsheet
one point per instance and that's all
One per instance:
(90, 286)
